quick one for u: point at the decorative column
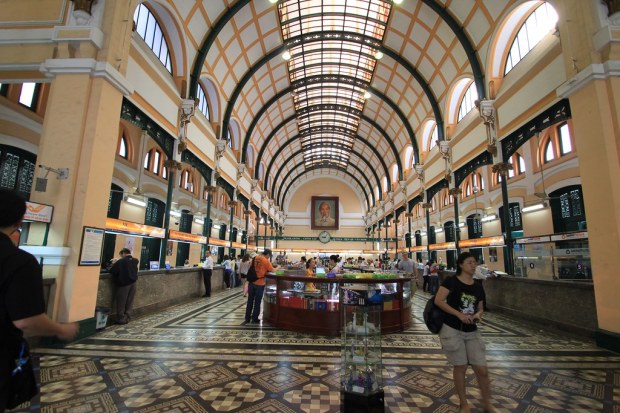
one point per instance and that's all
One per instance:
(172, 166)
(456, 193)
(409, 215)
(232, 205)
(427, 207)
(246, 214)
(502, 169)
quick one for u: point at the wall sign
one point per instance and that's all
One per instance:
(92, 243)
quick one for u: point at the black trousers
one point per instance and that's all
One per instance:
(206, 277)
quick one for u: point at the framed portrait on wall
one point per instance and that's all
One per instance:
(324, 212)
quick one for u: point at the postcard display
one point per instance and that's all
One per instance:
(361, 376)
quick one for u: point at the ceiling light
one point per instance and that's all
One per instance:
(488, 218)
(216, 226)
(438, 230)
(461, 224)
(199, 221)
(136, 201)
(378, 55)
(367, 95)
(534, 207)
(286, 55)
(275, 1)
(395, 1)
(175, 214)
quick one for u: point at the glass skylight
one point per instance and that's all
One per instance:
(332, 46)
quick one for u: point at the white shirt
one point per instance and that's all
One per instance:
(208, 264)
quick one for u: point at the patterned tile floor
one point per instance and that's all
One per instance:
(198, 357)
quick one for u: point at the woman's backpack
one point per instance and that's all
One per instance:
(433, 315)
(251, 276)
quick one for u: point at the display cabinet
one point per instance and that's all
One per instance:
(312, 304)
(361, 375)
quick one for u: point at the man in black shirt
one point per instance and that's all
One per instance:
(125, 274)
(22, 307)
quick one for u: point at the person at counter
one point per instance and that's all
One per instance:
(244, 266)
(405, 264)
(125, 274)
(262, 265)
(207, 272)
(310, 272)
(228, 277)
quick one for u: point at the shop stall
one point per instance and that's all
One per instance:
(312, 304)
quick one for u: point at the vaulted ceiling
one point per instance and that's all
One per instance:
(361, 78)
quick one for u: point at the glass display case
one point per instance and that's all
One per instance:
(312, 304)
(361, 375)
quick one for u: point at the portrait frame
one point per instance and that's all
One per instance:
(315, 205)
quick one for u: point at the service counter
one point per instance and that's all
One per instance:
(158, 289)
(312, 305)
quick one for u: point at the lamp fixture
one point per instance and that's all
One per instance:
(367, 95)
(438, 229)
(378, 55)
(217, 226)
(199, 221)
(534, 207)
(488, 218)
(175, 214)
(461, 224)
(286, 55)
(398, 1)
(135, 201)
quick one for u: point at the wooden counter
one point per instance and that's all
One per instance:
(290, 304)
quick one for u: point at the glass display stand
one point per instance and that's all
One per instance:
(361, 375)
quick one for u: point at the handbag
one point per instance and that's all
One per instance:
(22, 384)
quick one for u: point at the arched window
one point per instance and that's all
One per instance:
(377, 193)
(187, 181)
(540, 23)
(566, 145)
(468, 102)
(122, 147)
(154, 162)
(394, 173)
(203, 103)
(430, 134)
(467, 190)
(408, 157)
(549, 155)
(521, 163)
(149, 29)
(164, 172)
(384, 183)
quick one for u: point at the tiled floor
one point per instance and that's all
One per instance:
(197, 357)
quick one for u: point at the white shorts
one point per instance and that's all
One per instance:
(463, 348)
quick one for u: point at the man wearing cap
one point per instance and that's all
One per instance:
(262, 265)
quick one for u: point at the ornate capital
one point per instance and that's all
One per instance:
(409, 215)
(83, 5)
(396, 221)
(211, 189)
(427, 205)
(172, 164)
(247, 212)
(455, 191)
(502, 168)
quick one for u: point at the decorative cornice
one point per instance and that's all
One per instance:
(597, 71)
(54, 67)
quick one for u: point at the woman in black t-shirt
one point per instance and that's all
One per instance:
(462, 300)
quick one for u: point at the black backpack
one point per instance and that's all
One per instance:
(433, 315)
(251, 276)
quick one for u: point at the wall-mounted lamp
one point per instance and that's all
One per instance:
(217, 226)
(175, 214)
(438, 230)
(534, 207)
(135, 201)
(199, 221)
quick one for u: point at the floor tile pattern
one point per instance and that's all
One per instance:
(198, 357)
